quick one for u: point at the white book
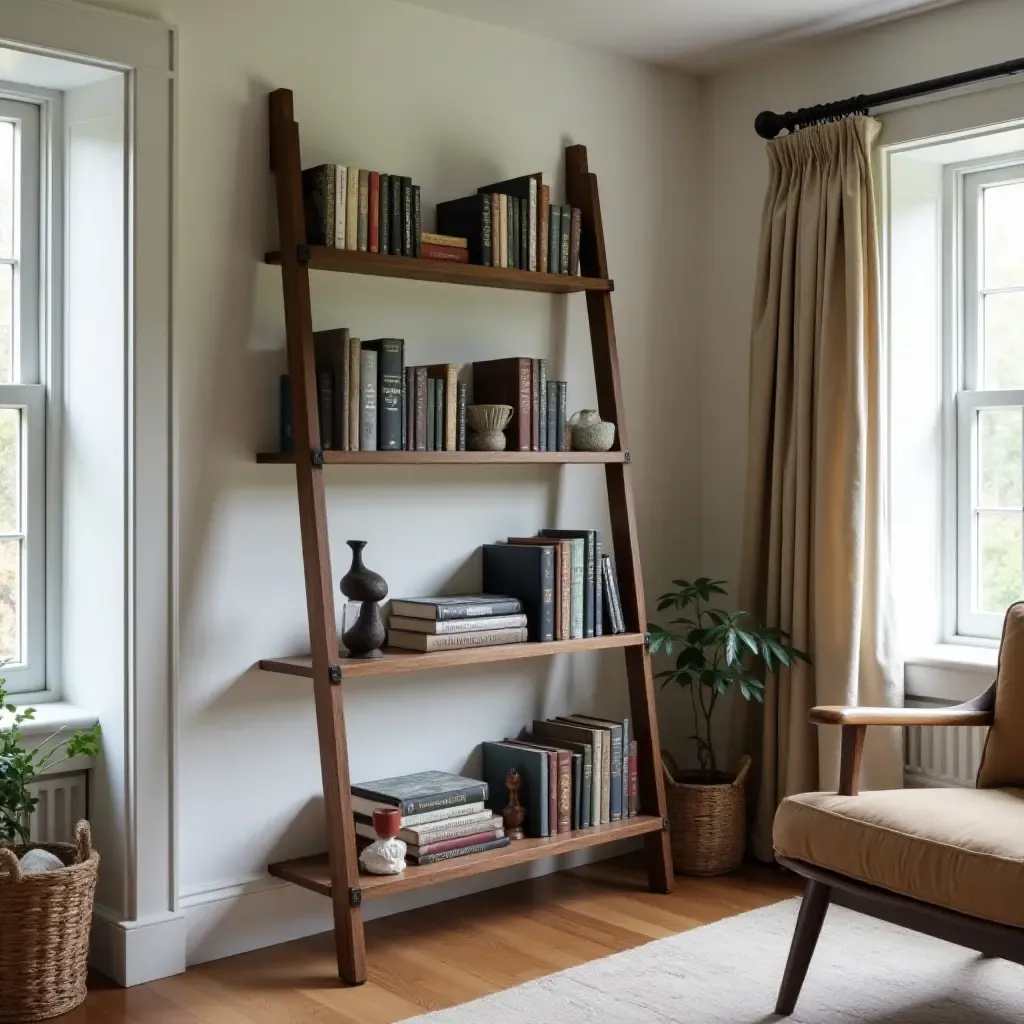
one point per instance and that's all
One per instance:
(352, 209)
(340, 198)
(456, 625)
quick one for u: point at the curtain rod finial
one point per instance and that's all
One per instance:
(768, 124)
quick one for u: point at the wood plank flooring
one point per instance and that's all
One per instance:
(442, 955)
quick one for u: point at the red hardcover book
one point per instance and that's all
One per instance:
(456, 844)
(507, 382)
(430, 251)
(374, 212)
(634, 786)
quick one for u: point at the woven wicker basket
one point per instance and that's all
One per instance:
(707, 823)
(45, 921)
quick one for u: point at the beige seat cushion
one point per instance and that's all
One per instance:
(962, 849)
(1003, 761)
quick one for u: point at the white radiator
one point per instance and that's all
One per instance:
(62, 804)
(938, 756)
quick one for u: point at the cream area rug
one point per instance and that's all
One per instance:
(863, 972)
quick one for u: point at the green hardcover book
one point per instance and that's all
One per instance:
(577, 599)
(384, 218)
(565, 231)
(431, 400)
(554, 241)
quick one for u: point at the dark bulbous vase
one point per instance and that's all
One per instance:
(366, 636)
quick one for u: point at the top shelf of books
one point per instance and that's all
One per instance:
(346, 261)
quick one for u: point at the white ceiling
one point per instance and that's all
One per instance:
(691, 34)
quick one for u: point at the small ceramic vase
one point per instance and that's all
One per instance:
(486, 423)
(386, 854)
(366, 636)
(589, 433)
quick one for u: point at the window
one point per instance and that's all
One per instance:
(22, 402)
(989, 397)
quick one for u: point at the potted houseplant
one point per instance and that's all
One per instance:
(45, 908)
(716, 652)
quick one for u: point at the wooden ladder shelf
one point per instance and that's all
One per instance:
(336, 873)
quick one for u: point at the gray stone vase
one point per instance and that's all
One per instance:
(366, 636)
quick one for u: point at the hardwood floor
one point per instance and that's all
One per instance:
(442, 955)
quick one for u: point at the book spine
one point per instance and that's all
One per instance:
(565, 590)
(606, 777)
(615, 776)
(429, 251)
(578, 588)
(364, 209)
(451, 410)
(313, 205)
(439, 415)
(385, 214)
(373, 212)
(553, 828)
(493, 844)
(286, 438)
(564, 809)
(577, 790)
(439, 832)
(535, 405)
(496, 233)
(407, 246)
(461, 442)
(524, 233)
(612, 600)
(560, 433)
(446, 612)
(433, 238)
(563, 241)
(616, 595)
(423, 804)
(504, 221)
(513, 233)
(352, 210)
(532, 241)
(554, 240)
(479, 638)
(405, 417)
(634, 780)
(410, 409)
(457, 842)
(389, 394)
(325, 407)
(588, 586)
(552, 407)
(341, 394)
(420, 409)
(625, 768)
(486, 238)
(354, 364)
(543, 227)
(598, 587)
(547, 593)
(431, 402)
(416, 221)
(542, 403)
(525, 405)
(368, 400)
(575, 224)
(396, 215)
(515, 620)
(340, 191)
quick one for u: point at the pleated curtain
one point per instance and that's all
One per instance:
(815, 546)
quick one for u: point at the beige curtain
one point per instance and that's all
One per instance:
(814, 552)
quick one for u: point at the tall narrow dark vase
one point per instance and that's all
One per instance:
(366, 637)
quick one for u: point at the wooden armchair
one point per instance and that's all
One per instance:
(946, 862)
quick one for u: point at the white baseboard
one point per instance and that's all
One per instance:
(134, 952)
(235, 916)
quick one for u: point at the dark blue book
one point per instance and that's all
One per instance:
(418, 793)
(525, 572)
(501, 758)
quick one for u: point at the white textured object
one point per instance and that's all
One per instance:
(863, 972)
(38, 862)
(384, 857)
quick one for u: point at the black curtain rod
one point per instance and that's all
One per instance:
(769, 125)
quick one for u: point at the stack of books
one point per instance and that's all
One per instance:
(567, 586)
(578, 771)
(445, 623)
(443, 815)
(369, 400)
(514, 224)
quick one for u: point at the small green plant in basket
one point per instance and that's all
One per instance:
(716, 651)
(20, 766)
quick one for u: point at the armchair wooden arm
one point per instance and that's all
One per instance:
(854, 722)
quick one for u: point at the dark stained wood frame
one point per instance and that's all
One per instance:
(337, 872)
(825, 887)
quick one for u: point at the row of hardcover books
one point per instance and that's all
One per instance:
(369, 400)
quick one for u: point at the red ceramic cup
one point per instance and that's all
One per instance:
(387, 822)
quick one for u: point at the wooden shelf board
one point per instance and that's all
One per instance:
(347, 262)
(403, 458)
(314, 872)
(395, 662)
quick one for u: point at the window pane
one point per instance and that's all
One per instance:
(1004, 229)
(999, 560)
(1003, 356)
(6, 189)
(10, 600)
(999, 453)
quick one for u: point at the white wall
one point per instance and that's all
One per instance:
(453, 104)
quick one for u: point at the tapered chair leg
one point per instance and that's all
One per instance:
(805, 938)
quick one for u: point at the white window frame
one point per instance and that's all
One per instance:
(30, 360)
(965, 312)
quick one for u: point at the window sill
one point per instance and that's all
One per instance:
(949, 672)
(48, 719)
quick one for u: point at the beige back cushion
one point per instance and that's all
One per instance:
(1003, 761)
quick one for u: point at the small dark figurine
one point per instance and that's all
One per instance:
(366, 636)
(515, 813)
